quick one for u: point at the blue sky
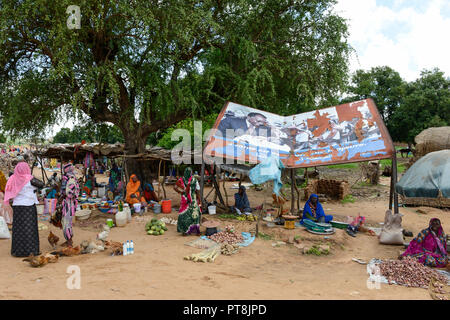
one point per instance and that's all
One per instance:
(407, 35)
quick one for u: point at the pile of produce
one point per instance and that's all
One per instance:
(229, 249)
(228, 236)
(249, 217)
(169, 220)
(205, 256)
(409, 272)
(155, 227)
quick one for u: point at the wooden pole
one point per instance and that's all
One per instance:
(164, 180)
(225, 189)
(391, 189)
(216, 186)
(159, 183)
(292, 192)
(202, 182)
(394, 173)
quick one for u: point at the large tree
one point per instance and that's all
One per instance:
(426, 104)
(146, 65)
(383, 84)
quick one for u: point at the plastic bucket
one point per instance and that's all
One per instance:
(212, 209)
(137, 207)
(157, 208)
(166, 206)
(101, 191)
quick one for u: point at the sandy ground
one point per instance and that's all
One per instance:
(157, 269)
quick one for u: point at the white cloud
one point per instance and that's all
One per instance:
(403, 37)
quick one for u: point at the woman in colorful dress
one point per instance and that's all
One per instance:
(313, 211)
(70, 191)
(134, 192)
(5, 209)
(189, 215)
(21, 188)
(429, 247)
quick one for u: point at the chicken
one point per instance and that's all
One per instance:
(53, 240)
(116, 247)
(68, 251)
(90, 247)
(103, 235)
(36, 262)
(51, 258)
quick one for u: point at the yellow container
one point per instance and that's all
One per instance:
(289, 224)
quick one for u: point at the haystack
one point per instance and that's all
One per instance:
(432, 139)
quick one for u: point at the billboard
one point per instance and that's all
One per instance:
(349, 132)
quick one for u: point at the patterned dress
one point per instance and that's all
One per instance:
(429, 248)
(189, 216)
(71, 190)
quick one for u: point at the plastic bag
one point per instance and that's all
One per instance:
(4, 232)
(392, 232)
(269, 169)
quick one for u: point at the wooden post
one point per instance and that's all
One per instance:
(394, 174)
(292, 192)
(164, 180)
(61, 166)
(159, 183)
(216, 186)
(202, 182)
(391, 189)
(225, 189)
(240, 180)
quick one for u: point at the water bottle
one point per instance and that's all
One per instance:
(132, 247)
(125, 249)
(128, 247)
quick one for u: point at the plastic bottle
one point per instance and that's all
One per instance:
(128, 247)
(125, 250)
(132, 246)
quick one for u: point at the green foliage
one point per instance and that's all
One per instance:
(315, 250)
(90, 133)
(348, 199)
(264, 236)
(3, 139)
(344, 166)
(426, 104)
(228, 216)
(144, 66)
(382, 84)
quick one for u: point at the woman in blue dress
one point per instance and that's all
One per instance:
(313, 211)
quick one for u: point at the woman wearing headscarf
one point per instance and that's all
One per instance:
(313, 211)
(114, 175)
(5, 209)
(430, 246)
(134, 192)
(149, 192)
(242, 205)
(189, 215)
(91, 182)
(21, 188)
(70, 191)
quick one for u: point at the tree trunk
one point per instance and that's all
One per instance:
(134, 145)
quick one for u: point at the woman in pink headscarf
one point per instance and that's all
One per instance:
(21, 189)
(430, 246)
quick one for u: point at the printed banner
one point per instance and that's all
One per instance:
(349, 132)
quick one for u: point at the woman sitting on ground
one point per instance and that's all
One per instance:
(313, 211)
(149, 192)
(134, 192)
(242, 205)
(429, 247)
(91, 182)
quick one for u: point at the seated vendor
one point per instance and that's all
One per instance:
(429, 247)
(242, 205)
(134, 191)
(52, 193)
(149, 192)
(91, 182)
(313, 211)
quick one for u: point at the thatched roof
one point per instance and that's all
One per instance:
(432, 139)
(67, 152)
